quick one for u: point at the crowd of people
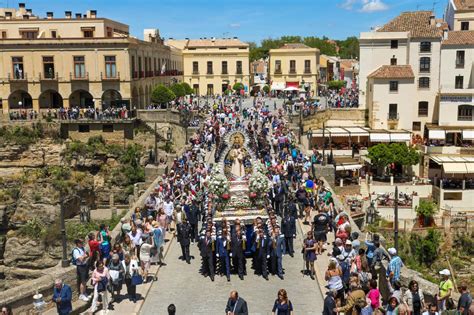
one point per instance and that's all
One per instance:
(73, 113)
(343, 98)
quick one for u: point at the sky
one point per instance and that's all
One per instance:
(249, 20)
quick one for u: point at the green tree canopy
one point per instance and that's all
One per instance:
(238, 86)
(266, 89)
(399, 153)
(162, 95)
(336, 84)
(178, 90)
(187, 88)
(426, 208)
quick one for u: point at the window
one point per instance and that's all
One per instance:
(460, 59)
(4, 34)
(422, 109)
(424, 83)
(210, 89)
(459, 82)
(110, 67)
(307, 66)
(140, 74)
(209, 67)
(88, 33)
(195, 67)
(224, 67)
(394, 43)
(464, 26)
(48, 67)
(108, 128)
(292, 66)
(392, 111)
(239, 67)
(29, 34)
(393, 86)
(255, 68)
(416, 126)
(134, 75)
(196, 89)
(79, 67)
(393, 61)
(54, 34)
(425, 64)
(18, 70)
(277, 66)
(452, 196)
(425, 47)
(465, 113)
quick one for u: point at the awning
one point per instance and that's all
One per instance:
(293, 84)
(357, 131)
(337, 132)
(380, 137)
(455, 168)
(278, 86)
(437, 134)
(348, 167)
(400, 137)
(470, 168)
(468, 134)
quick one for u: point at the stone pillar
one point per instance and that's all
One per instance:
(359, 180)
(36, 106)
(463, 184)
(98, 103)
(341, 183)
(66, 102)
(391, 180)
(371, 179)
(111, 200)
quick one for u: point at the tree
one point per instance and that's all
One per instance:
(266, 89)
(349, 48)
(336, 84)
(187, 88)
(178, 90)
(426, 210)
(399, 153)
(237, 87)
(162, 95)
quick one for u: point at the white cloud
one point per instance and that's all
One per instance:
(373, 6)
(234, 25)
(364, 5)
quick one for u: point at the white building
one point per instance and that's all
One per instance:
(460, 15)
(401, 97)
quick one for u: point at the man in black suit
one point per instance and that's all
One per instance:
(288, 228)
(236, 305)
(262, 253)
(207, 248)
(184, 239)
(193, 218)
(238, 242)
(330, 303)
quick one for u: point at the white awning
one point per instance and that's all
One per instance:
(380, 137)
(468, 134)
(455, 168)
(437, 134)
(400, 137)
(357, 131)
(470, 168)
(349, 167)
(337, 132)
(279, 86)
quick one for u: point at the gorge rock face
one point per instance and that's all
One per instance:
(44, 152)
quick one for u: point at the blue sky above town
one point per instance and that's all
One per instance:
(250, 20)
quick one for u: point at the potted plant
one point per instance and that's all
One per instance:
(426, 211)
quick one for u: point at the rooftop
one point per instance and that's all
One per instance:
(216, 42)
(393, 72)
(464, 4)
(418, 23)
(459, 38)
(294, 46)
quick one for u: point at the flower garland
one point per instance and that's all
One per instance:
(258, 182)
(218, 183)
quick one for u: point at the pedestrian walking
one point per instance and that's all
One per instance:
(184, 238)
(309, 253)
(236, 305)
(100, 281)
(282, 305)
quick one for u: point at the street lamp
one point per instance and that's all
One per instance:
(309, 135)
(65, 260)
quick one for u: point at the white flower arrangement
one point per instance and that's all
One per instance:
(259, 183)
(218, 183)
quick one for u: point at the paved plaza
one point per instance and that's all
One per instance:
(183, 285)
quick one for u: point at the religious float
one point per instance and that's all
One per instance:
(238, 183)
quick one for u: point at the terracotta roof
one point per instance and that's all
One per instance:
(218, 42)
(294, 46)
(464, 4)
(417, 23)
(393, 72)
(459, 38)
(347, 63)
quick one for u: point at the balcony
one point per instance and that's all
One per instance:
(18, 77)
(48, 76)
(79, 76)
(110, 77)
(393, 116)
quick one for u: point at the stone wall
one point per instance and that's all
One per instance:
(336, 118)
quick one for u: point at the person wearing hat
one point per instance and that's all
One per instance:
(394, 267)
(445, 289)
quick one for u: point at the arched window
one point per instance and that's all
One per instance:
(465, 112)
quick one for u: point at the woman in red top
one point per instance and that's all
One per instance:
(93, 244)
